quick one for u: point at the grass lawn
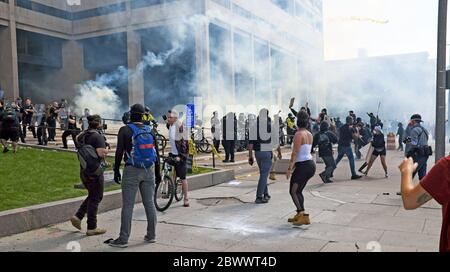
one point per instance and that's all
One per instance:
(34, 176)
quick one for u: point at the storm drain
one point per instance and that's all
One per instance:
(218, 201)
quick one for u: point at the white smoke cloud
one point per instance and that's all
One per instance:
(101, 98)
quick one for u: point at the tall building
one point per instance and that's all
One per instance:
(226, 51)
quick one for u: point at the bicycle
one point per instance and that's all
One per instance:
(167, 189)
(160, 139)
(202, 144)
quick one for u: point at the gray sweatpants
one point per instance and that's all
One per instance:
(132, 180)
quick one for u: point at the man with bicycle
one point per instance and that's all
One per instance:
(179, 150)
(140, 154)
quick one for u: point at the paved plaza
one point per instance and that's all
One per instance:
(350, 216)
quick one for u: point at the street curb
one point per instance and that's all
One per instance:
(39, 216)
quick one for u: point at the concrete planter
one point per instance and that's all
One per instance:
(39, 216)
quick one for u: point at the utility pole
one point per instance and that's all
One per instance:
(441, 80)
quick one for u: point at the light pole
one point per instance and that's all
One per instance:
(441, 80)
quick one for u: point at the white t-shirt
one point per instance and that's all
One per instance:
(172, 137)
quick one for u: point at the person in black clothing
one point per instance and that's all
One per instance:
(51, 121)
(93, 182)
(325, 140)
(9, 129)
(229, 133)
(134, 178)
(27, 115)
(71, 130)
(400, 132)
(346, 134)
(379, 146)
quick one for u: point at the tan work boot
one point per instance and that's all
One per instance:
(76, 222)
(302, 220)
(292, 219)
(272, 176)
(96, 231)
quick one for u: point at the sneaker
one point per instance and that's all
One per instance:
(356, 177)
(302, 220)
(267, 197)
(328, 181)
(5, 150)
(149, 240)
(322, 176)
(232, 161)
(386, 175)
(225, 161)
(272, 176)
(76, 222)
(118, 243)
(96, 231)
(261, 200)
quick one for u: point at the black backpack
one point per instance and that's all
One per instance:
(324, 142)
(9, 116)
(87, 155)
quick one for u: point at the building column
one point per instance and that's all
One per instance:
(135, 77)
(202, 61)
(9, 68)
(72, 70)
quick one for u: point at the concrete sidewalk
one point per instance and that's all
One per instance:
(361, 215)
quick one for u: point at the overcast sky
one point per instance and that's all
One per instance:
(382, 27)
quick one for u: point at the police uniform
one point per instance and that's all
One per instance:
(419, 146)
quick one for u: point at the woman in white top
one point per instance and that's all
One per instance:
(304, 168)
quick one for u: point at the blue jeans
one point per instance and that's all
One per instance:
(264, 160)
(346, 150)
(422, 166)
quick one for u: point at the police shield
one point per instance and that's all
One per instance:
(40, 113)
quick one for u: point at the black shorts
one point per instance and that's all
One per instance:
(10, 133)
(379, 153)
(180, 167)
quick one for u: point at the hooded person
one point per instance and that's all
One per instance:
(325, 140)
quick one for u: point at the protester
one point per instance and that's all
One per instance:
(304, 169)
(379, 149)
(435, 185)
(325, 140)
(10, 128)
(179, 151)
(265, 140)
(91, 174)
(400, 132)
(346, 134)
(137, 147)
(291, 128)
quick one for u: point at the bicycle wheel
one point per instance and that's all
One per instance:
(204, 147)
(162, 141)
(178, 191)
(164, 194)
